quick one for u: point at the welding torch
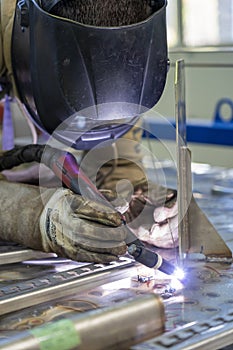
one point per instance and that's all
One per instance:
(66, 168)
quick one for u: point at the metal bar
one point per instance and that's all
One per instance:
(53, 286)
(116, 327)
(184, 175)
(21, 254)
(180, 107)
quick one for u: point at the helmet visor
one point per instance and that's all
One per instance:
(70, 66)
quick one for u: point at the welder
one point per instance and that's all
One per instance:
(85, 70)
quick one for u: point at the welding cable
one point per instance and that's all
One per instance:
(20, 155)
(62, 163)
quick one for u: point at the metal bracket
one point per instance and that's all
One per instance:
(196, 233)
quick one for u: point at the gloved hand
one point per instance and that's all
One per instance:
(60, 222)
(80, 229)
(153, 214)
(152, 209)
(151, 195)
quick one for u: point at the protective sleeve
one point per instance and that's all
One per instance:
(21, 207)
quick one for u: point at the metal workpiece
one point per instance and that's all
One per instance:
(184, 175)
(52, 286)
(196, 233)
(11, 254)
(116, 327)
(198, 311)
(211, 334)
(180, 105)
(184, 199)
(200, 316)
(204, 238)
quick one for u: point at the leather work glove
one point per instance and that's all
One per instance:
(82, 230)
(152, 212)
(61, 222)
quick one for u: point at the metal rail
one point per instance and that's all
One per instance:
(60, 284)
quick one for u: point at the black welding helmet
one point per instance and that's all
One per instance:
(62, 67)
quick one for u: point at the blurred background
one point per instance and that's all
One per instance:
(201, 33)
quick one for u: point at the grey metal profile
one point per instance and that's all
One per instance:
(60, 284)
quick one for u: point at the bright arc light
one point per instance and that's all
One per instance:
(179, 274)
(177, 279)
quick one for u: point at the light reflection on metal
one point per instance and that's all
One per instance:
(117, 327)
(123, 283)
(16, 254)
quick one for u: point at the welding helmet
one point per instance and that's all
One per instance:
(62, 67)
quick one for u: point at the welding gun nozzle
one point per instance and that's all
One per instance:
(150, 259)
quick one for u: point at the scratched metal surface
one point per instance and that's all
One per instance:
(206, 293)
(206, 299)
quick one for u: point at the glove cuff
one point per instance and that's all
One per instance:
(47, 228)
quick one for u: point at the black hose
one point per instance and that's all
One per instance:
(28, 154)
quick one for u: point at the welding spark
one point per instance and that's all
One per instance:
(179, 274)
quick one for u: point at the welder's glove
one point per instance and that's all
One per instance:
(151, 195)
(153, 214)
(60, 222)
(80, 229)
(152, 210)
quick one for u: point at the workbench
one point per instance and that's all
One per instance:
(37, 289)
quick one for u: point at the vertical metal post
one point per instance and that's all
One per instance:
(183, 161)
